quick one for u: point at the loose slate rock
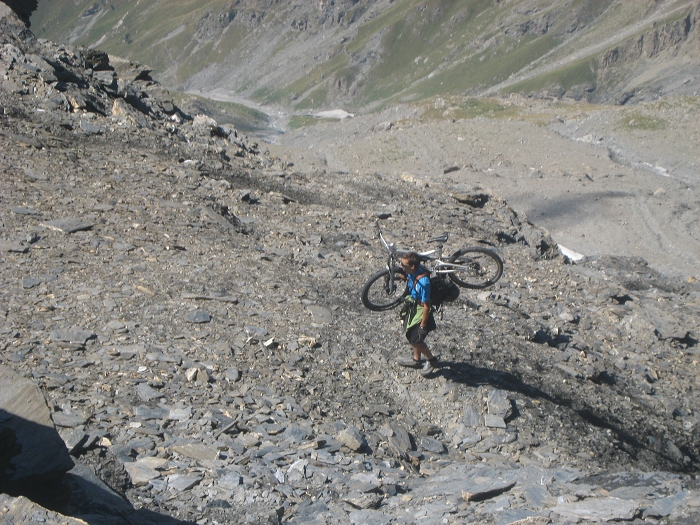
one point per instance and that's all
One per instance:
(144, 470)
(472, 418)
(363, 501)
(432, 445)
(8, 246)
(180, 482)
(196, 451)
(30, 283)
(351, 438)
(21, 511)
(146, 393)
(61, 419)
(486, 489)
(71, 336)
(198, 316)
(89, 128)
(32, 447)
(369, 517)
(599, 509)
(68, 225)
(492, 421)
(499, 404)
(401, 440)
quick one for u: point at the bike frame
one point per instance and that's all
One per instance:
(435, 256)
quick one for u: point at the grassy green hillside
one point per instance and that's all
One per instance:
(364, 54)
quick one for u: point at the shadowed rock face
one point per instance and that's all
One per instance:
(23, 8)
(31, 448)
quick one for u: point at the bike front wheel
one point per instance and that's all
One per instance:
(475, 267)
(382, 292)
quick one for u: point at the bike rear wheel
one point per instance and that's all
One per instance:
(382, 293)
(481, 267)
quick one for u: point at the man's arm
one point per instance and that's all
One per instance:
(426, 304)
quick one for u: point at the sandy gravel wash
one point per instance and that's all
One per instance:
(592, 176)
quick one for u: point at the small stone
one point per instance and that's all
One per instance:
(146, 393)
(320, 314)
(472, 418)
(195, 451)
(89, 128)
(146, 413)
(69, 225)
(297, 471)
(598, 509)
(233, 374)
(485, 489)
(493, 421)
(144, 470)
(432, 445)
(179, 482)
(198, 316)
(363, 501)
(30, 283)
(62, 419)
(499, 404)
(351, 438)
(180, 414)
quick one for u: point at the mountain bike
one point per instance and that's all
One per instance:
(473, 267)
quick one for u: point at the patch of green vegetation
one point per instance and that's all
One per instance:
(636, 120)
(313, 80)
(347, 75)
(468, 108)
(592, 9)
(303, 121)
(418, 45)
(582, 73)
(243, 118)
(315, 99)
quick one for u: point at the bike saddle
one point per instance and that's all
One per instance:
(439, 238)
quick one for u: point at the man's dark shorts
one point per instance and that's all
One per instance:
(412, 334)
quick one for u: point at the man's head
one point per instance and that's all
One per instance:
(410, 262)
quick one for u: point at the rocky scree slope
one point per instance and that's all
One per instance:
(360, 54)
(189, 306)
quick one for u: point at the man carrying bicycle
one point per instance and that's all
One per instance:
(417, 315)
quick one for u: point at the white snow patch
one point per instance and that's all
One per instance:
(334, 113)
(574, 256)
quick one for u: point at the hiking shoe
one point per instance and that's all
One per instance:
(429, 366)
(409, 362)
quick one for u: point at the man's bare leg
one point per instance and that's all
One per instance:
(421, 348)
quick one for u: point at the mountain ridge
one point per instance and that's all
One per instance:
(360, 54)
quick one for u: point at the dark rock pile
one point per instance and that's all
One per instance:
(190, 309)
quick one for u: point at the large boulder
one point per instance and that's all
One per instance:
(23, 8)
(31, 451)
(21, 511)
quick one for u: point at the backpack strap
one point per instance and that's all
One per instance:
(418, 278)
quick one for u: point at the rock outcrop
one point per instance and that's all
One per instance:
(32, 450)
(23, 8)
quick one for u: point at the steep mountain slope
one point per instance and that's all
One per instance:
(361, 53)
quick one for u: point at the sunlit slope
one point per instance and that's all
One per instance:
(362, 53)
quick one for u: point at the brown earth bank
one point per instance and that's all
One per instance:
(188, 302)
